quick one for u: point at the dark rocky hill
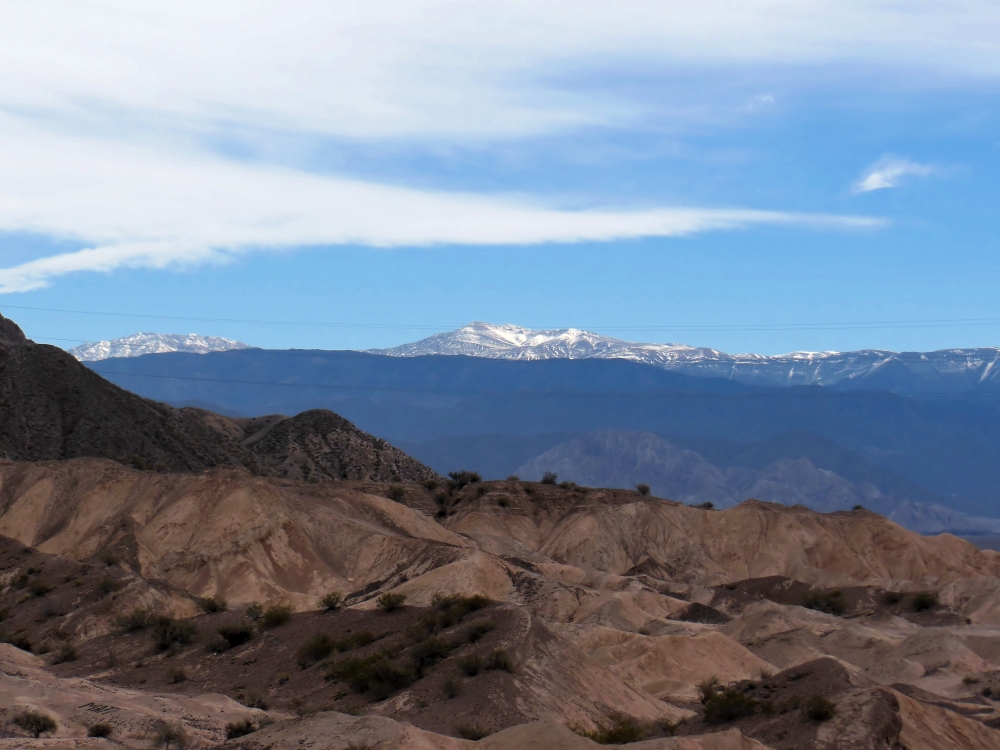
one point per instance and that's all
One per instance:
(53, 407)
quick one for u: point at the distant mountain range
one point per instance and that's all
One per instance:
(153, 343)
(948, 370)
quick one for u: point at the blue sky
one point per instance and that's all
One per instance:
(761, 176)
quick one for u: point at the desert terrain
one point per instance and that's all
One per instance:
(174, 578)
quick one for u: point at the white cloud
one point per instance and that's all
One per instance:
(888, 172)
(139, 207)
(443, 70)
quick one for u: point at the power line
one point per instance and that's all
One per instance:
(738, 327)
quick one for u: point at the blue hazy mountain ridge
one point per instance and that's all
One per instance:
(949, 446)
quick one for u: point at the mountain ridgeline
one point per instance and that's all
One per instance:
(53, 407)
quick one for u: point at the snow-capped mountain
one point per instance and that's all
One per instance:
(945, 370)
(153, 343)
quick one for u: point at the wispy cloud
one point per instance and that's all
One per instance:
(888, 172)
(135, 207)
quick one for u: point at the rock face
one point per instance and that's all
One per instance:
(53, 407)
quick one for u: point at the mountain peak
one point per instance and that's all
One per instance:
(153, 343)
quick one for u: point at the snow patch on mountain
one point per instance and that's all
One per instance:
(948, 369)
(153, 343)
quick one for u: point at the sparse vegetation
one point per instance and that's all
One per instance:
(819, 708)
(65, 653)
(170, 632)
(478, 629)
(137, 619)
(176, 675)
(430, 484)
(100, 730)
(500, 660)
(376, 674)
(706, 506)
(642, 489)
(108, 585)
(239, 729)
(35, 723)
(396, 492)
(332, 601)
(471, 732)
(429, 651)
(452, 688)
(924, 600)
(275, 616)
(167, 734)
(108, 558)
(729, 704)
(892, 597)
(255, 611)
(832, 602)
(213, 604)
(355, 640)
(621, 730)
(471, 665)
(38, 587)
(390, 602)
(461, 478)
(236, 633)
(550, 477)
(254, 698)
(316, 648)
(17, 640)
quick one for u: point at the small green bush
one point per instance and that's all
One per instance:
(239, 729)
(428, 652)
(708, 505)
(168, 734)
(471, 665)
(316, 648)
(254, 698)
(35, 723)
(376, 674)
(390, 602)
(137, 619)
(275, 616)
(108, 585)
(213, 604)
(924, 600)
(642, 489)
(471, 731)
(820, 709)
(621, 731)
(236, 633)
(478, 629)
(332, 601)
(355, 640)
(461, 478)
(100, 730)
(65, 653)
(452, 688)
(176, 674)
(892, 597)
(396, 492)
(39, 587)
(550, 477)
(832, 602)
(169, 632)
(255, 611)
(499, 659)
(728, 705)
(430, 484)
